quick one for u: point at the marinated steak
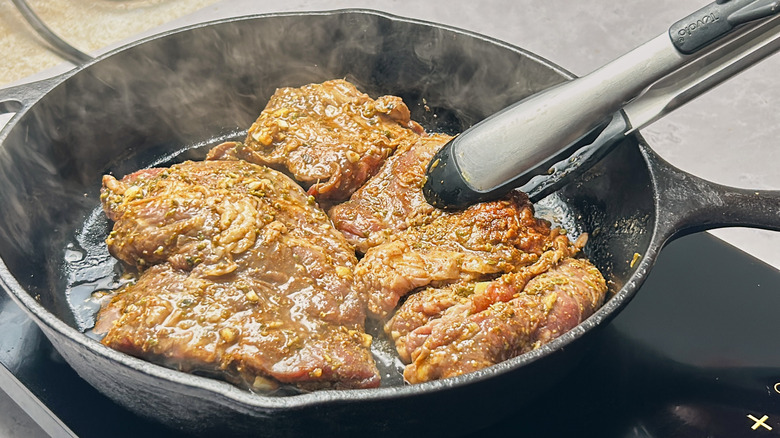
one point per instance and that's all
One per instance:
(330, 137)
(447, 332)
(392, 200)
(242, 275)
(479, 243)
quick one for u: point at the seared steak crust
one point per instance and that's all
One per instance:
(241, 275)
(330, 137)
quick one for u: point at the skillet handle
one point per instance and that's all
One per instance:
(687, 203)
(16, 98)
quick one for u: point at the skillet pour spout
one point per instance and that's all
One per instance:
(161, 100)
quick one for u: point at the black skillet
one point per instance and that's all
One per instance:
(169, 97)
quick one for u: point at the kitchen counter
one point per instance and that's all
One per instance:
(86, 25)
(729, 135)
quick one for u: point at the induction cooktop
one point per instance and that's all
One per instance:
(693, 355)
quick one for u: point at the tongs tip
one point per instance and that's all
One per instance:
(444, 186)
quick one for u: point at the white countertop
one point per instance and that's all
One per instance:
(730, 135)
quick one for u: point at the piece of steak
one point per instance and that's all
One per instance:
(392, 200)
(330, 137)
(242, 276)
(479, 243)
(454, 330)
(409, 325)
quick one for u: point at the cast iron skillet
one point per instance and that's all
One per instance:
(188, 89)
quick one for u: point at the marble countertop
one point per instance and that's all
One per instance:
(730, 135)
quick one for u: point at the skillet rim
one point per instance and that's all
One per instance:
(48, 321)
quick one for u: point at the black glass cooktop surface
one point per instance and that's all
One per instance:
(695, 354)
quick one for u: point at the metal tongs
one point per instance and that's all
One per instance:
(542, 142)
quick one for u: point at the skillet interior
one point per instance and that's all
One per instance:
(143, 105)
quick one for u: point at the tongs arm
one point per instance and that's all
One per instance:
(728, 57)
(522, 144)
(724, 60)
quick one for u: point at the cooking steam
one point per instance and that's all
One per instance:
(173, 98)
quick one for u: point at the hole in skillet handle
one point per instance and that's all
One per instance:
(16, 99)
(7, 110)
(11, 106)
